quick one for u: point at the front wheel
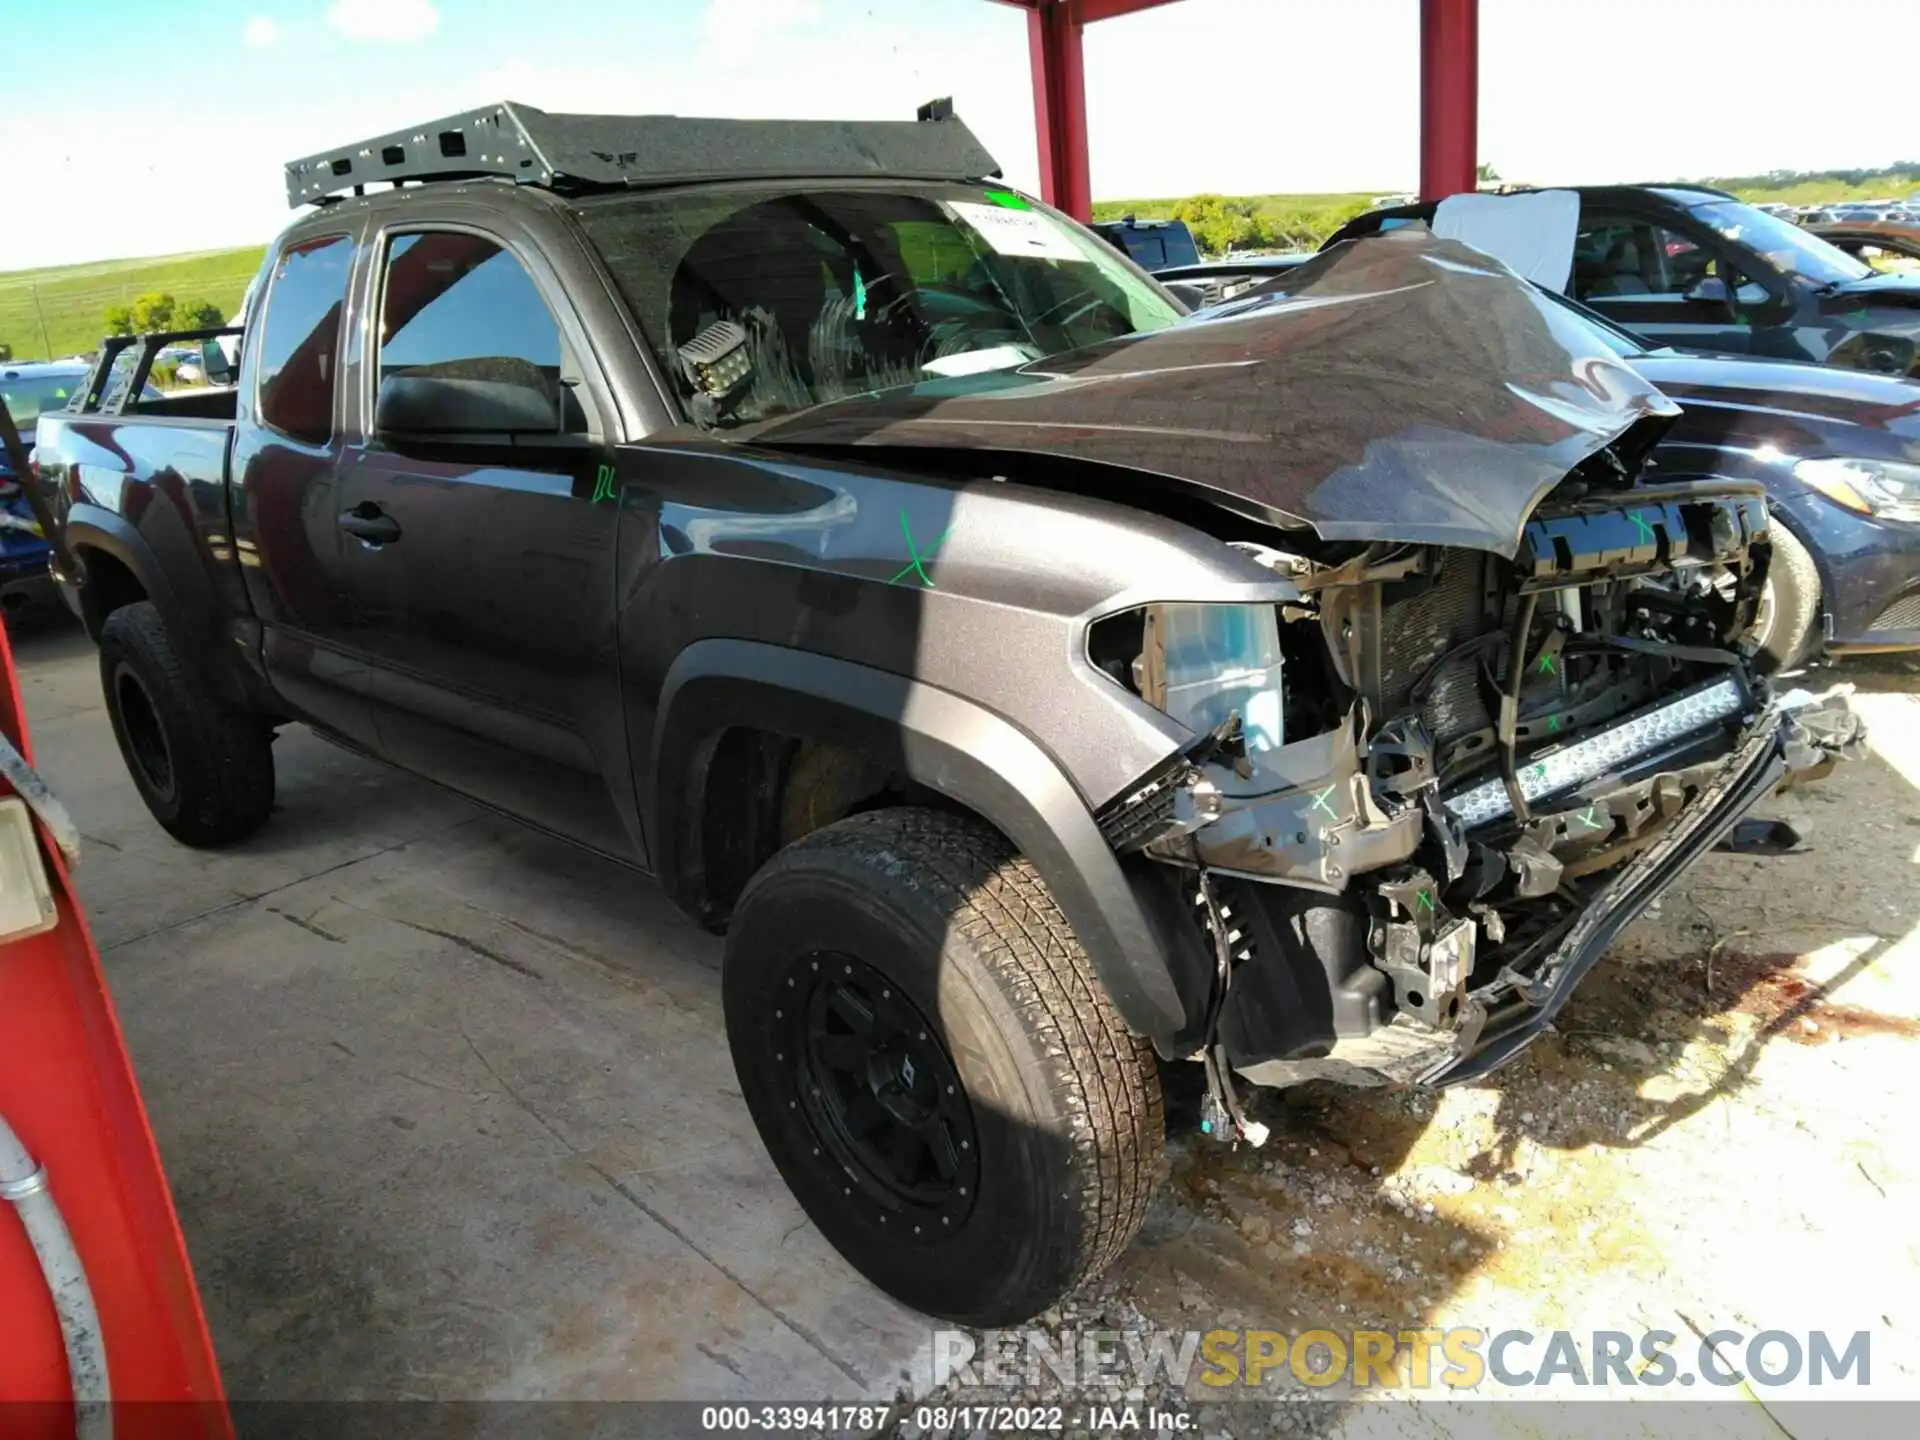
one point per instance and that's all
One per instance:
(204, 769)
(934, 1069)
(1789, 612)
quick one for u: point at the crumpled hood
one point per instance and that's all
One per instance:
(1408, 389)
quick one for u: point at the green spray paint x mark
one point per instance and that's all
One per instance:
(1640, 524)
(1320, 801)
(859, 295)
(603, 485)
(1553, 723)
(1426, 900)
(1546, 664)
(917, 565)
(1586, 819)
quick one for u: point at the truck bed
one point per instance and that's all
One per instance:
(203, 403)
(154, 483)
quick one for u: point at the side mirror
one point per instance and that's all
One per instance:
(1711, 290)
(423, 406)
(1194, 294)
(214, 364)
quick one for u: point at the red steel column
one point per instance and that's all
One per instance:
(67, 1092)
(1449, 96)
(1060, 105)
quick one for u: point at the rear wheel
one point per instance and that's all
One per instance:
(1789, 612)
(934, 1069)
(204, 769)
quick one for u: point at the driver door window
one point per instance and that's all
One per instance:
(469, 351)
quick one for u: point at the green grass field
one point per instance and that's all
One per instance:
(62, 310)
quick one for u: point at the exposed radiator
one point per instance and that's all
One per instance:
(1417, 631)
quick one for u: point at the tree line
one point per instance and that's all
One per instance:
(1898, 173)
(1221, 223)
(158, 310)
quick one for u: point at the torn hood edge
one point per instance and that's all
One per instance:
(1410, 390)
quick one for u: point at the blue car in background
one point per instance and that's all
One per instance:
(26, 390)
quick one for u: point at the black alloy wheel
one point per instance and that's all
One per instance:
(934, 1068)
(203, 765)
(881, 1093)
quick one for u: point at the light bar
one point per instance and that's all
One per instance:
(1568, 767)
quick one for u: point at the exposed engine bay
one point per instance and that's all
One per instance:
(1494, 694)
(1415, 782)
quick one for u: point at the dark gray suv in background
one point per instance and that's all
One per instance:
(1699, 269)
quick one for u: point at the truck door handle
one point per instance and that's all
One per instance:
(369, 523)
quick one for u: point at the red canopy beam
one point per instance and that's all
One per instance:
(1449, 96)
(1054, 35)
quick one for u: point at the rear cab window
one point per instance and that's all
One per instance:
(764, 300)
(299, 338)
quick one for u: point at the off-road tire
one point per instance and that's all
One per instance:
(1064, 1102)
(1795, 587)
(213, 780)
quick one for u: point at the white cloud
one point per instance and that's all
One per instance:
(261, 31)
(402, 20)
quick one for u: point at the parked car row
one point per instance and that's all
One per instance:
(1722, 307)
(26, 391)
(1853, 212)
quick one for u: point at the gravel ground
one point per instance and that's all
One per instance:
(1718, 1135)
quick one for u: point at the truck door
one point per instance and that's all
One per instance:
(285, 484)
(478, 522)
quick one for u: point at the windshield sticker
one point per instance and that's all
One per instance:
(1017, 232)
(1008, 199)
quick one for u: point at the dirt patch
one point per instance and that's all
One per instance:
(1660, 1160)
(1775, 990)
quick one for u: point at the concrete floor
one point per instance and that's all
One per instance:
(446, 1105)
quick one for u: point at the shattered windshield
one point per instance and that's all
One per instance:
(761, 301)
(1787, 247)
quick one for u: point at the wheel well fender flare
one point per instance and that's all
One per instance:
(192, 617)
(952, 746)
(92, 527)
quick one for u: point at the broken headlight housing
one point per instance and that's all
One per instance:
(1199, 664)
(1884, 489)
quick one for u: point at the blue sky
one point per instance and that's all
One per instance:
(154, 129)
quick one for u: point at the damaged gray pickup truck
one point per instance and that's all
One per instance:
(1029, 679)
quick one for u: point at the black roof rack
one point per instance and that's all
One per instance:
(585, 152)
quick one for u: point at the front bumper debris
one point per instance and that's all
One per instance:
(1796, 739)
